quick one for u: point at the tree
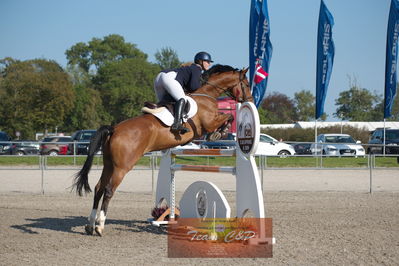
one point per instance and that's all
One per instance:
(279, 109)
(36, 95)
(125, 85)
(97, 52)
(123, 77)
(358, 104)
(167, 58)
(304, 105)
(88, 111)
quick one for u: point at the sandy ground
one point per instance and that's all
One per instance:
(319, 217)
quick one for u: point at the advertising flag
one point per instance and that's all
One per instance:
(325, 57)
(260, 49)
(391, 58)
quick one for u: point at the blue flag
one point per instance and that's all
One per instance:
(391, 58)
(260, 49)
(325, 57)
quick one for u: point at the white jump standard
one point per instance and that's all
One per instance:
(204, 199)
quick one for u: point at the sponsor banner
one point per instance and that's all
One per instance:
(248, 128)
(260, 49)
(325, 57)
(391, 58)
(220, 238)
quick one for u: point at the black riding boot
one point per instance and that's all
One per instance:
(177, 124)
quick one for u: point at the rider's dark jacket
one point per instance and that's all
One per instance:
(188, 77)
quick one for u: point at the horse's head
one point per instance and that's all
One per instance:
(242, 90)
(225, 79)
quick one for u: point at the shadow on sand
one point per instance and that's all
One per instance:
(69, 224)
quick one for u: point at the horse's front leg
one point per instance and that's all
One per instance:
(221, 121)
(226, 126)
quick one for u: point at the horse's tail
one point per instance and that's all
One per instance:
(97, 141)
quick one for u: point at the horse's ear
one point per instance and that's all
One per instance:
(245, 70)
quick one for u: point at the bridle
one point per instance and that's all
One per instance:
(229, 89)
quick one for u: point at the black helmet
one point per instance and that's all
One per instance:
(204, 56)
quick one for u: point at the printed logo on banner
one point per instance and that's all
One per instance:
(248, 128)
(201, 203)
(220, 238)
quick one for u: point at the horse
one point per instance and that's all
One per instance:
(125, 143)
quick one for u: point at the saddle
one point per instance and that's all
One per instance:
(150, 107)
(164, 110)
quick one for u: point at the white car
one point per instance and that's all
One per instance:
(270, 146)
(337, 145)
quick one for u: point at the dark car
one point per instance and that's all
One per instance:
(226, 143)
(25, 147)
(376, 143)
(302, 148)
(81, 139)
(55, 145)
(5, 144)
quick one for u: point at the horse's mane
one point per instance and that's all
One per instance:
(216, 69)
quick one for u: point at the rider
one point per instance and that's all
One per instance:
(180, 80)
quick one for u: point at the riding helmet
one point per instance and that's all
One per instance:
(204, 56)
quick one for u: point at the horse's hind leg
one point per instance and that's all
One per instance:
(116, 178)
(98, 193)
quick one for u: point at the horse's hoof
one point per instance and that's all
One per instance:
(215, 136)
(99, 231)
(89, 229)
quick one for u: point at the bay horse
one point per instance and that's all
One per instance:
(125, 143)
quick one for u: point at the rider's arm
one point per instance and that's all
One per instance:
(195, 82)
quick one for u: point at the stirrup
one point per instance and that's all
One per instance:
(179, 128)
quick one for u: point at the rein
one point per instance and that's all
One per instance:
(201, 94)
(227, 90)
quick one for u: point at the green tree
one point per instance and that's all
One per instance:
(125, 85)
(167, 58)
(88, 111)
(279, 109)
(304, 105)
(262, 115)
(36, 95)
(97, 52)
(358, 104)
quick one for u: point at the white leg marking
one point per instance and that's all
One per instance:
(92, 217)
(101, 219)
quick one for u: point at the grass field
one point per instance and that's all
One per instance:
(270, 162)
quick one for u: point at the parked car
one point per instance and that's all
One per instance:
(55, 145)
(25, 147)
(391, 141)
(5, 144)
(267, 145)
(81, 139)
(226, 143)
(270, 146)
(302, 148)
(337, 145)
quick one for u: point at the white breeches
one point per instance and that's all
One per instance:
(166, 82)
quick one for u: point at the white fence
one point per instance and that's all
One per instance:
(43, 177)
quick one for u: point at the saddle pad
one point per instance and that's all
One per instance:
(166, 117)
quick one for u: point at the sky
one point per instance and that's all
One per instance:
(47, 28)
